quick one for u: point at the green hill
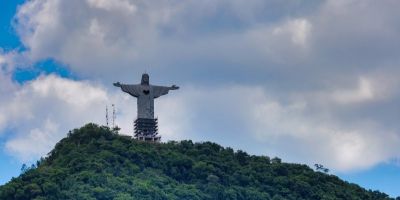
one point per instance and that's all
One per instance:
(96, 163)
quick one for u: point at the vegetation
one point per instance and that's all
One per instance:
(96, 163)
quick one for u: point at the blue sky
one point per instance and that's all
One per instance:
(307, 81)
(9, 39)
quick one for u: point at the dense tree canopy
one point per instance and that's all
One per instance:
(95, 162)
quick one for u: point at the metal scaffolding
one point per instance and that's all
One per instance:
(147, 129)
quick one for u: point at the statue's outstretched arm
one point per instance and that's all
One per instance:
(162, 90)
(117, 84)
(174, 87)
(133, 90)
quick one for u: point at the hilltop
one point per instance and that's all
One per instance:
(94, 162)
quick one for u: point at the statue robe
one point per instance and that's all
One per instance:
(145, 95)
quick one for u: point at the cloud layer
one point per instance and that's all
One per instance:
(40, 112)
(309, 81)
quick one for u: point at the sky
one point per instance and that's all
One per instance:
(307, 81)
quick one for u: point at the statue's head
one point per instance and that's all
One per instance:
(145, 79)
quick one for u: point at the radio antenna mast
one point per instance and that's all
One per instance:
(107, 116)
(113, 117)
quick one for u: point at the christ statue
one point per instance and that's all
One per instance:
(145, 94)
(145, 124)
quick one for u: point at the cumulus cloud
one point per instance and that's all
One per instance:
(43, 110)
(40, 112)
(122, 6)
(363, 92)
(268, 125)
(298, 29)
(289, 130)
(305, 41)
(101, 39)
(305, 80)
(38, 142)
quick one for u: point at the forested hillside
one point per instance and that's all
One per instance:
(95, 162)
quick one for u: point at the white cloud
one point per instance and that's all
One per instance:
(286, 129)
(103, 38)
(363, 92)
(100, 39)
(298, 29)
(330, 69)
(289, 131)
(2, 60)
(174, 117)
(7, 62)
(41, 112)
(118, 5)
(38, 142)
(99, 30)
(6, 85)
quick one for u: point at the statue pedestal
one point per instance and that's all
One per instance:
(147, 130)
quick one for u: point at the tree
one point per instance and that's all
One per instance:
(95, 163)
(319, 167)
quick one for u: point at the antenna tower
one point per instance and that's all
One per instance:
(113, 117)
(107, 115)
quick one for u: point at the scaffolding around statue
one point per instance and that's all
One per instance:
(146, 130)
